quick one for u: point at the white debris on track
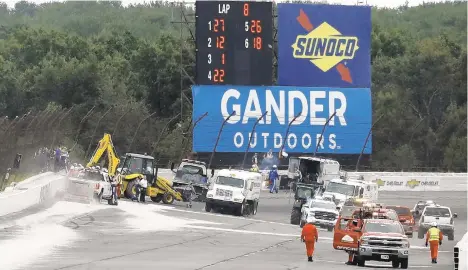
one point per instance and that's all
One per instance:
(145, 217)
(35, 243)
(40, 234)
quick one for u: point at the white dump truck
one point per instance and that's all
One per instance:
(235, 190)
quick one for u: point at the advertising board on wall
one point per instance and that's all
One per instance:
(345, 134)
(324, 45)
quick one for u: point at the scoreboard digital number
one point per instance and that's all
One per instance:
(234, 43)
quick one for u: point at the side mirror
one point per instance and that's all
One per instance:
(455, 215)
(212, 172)
(172, 166)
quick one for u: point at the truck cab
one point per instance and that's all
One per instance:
(191, 171)
(341, 190)
(313, 169)
(235, 190)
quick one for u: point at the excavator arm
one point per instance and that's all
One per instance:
(105, 145)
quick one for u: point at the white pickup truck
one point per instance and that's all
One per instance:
(90, 184)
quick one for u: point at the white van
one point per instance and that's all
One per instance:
(236, 190)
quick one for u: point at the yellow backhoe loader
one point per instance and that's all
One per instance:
(134, 166)
(159, 188)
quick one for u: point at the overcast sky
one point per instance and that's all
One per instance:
(379, 3)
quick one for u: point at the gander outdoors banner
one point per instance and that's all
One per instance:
(324, 45)
(345, 134)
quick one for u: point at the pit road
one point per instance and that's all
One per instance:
(151, 236)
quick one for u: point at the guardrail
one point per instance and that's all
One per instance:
(459, 253)
(32, 191)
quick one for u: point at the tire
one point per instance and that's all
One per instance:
(255, 208)
(361, 262)
(420, 234)
(295, 216)
(240, 210)
(301, 223)
(395, 263)
(168, 198)
(451, 236)
(129, 190)
(208, 207)
(404, 263)
(98, 197)
(157, 198)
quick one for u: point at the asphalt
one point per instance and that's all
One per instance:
(154, 236)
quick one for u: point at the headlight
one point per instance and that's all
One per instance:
(405, 244)
(364, 241)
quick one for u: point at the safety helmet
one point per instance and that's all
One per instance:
(274, 167)
(434, 224)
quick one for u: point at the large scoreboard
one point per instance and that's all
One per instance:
(234, 42)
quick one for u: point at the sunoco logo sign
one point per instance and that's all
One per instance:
(325, 47)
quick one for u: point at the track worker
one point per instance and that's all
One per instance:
(273, 176)
(434, 237)
(309, 236)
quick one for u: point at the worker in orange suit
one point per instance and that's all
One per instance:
(434, 237)
(309, 236)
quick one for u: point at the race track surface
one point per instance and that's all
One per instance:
(76, 236)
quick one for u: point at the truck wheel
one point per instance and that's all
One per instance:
(361, 262)
(395, 263)
(420, 234)
(157, 198)
(240, 209)
(301, 223)
(168, 198)
(98, 197)
(295, 216)
(129, 191)
(208, 207)
(255, 208)
(450, 236)
(404, 263)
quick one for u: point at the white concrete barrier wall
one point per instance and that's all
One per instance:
(459, 253)
(401, 181)
(31, 192)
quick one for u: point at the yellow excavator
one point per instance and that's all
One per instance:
(133, 167)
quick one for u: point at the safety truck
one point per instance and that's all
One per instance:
(341, 190)
(235, 190)
(369, 233)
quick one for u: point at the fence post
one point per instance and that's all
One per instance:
(219, 135)
(189, 134)
(95, 128)
(136, 131)
(365, 142)
(251, 136)
(323, 130)
(286, 135)
(81, 125)
(162, 132)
